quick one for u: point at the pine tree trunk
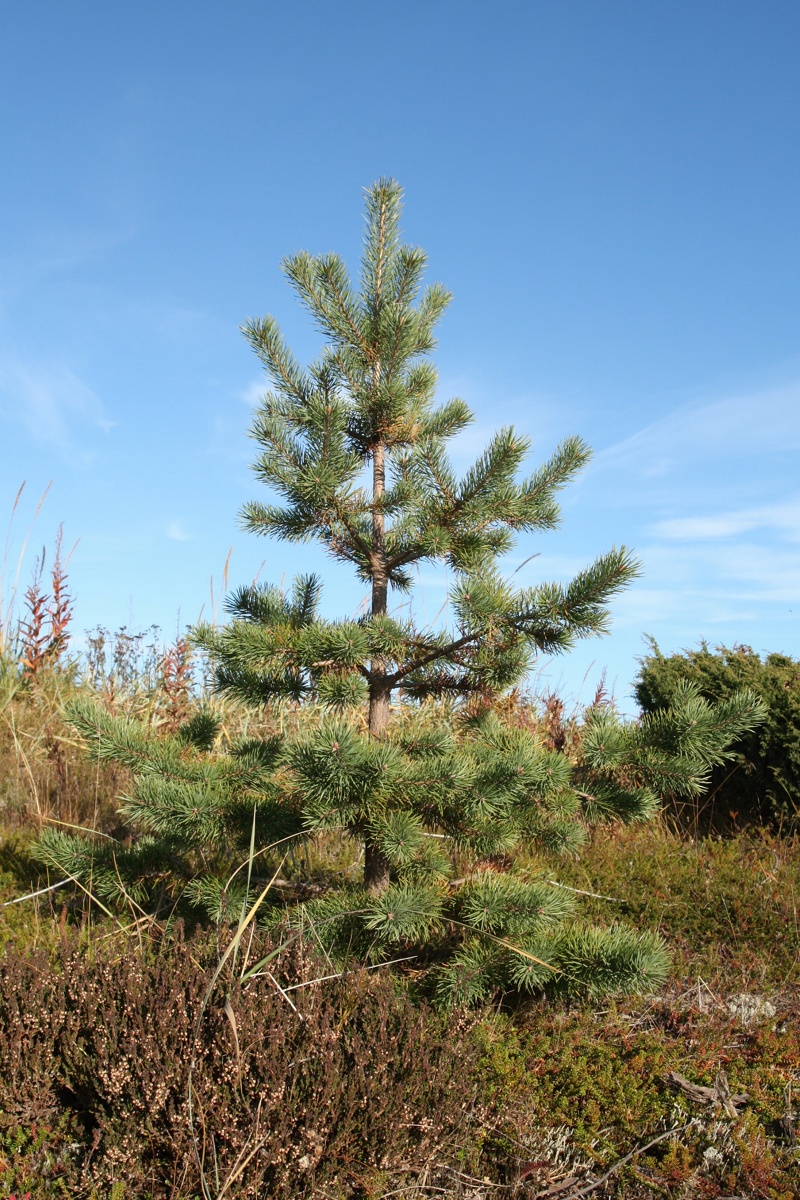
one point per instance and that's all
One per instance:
(376, 865)
(376, 869)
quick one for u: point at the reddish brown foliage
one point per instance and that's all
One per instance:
(45, 629)
(176, 683)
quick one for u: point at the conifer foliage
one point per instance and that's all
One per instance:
(411, 763)
(356, 453)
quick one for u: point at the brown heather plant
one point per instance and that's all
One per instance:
(327, 1090)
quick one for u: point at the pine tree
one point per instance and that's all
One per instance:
(357, 452)
(436, 789)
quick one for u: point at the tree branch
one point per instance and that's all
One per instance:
(432, 656)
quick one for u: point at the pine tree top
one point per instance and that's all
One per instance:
(355, 453)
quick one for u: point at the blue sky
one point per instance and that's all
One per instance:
(610, 190)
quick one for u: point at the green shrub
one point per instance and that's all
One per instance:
(764, 782)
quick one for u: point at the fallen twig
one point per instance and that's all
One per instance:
(719, 1094)
(584, 1191)
(581, 892)
(41, 892)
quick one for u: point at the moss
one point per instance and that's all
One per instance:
(34, 1158)
(602, 1075)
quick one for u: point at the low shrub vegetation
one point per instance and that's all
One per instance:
(360, 1090)
(115, 1049)
(350, 917)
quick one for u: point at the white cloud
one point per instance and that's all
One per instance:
(783, 518)
(645, 607)
(176, 533)
(721, 525)
(764, 573)
(60, 248)
(746, 425)
(251, 395)
(52, 403)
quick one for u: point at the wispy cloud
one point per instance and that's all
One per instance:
(782, 518)
(58, 249)
(176, 532)
(697, 587)
(32, 262)
(52, 404)
(751, 424)
(251, 395)
(759, 572)
(710, 501)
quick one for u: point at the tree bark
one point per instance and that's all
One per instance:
(377, 872)
(376, 865)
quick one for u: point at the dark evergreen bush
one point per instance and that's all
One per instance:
(763, 783)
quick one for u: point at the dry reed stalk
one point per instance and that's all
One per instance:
(215, 599)
(22, 757)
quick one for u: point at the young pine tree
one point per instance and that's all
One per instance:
(354, 451)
